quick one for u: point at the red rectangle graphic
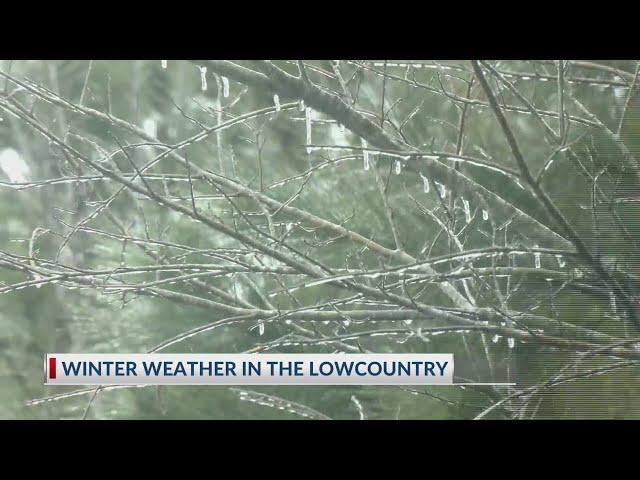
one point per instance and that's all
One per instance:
(52, 367)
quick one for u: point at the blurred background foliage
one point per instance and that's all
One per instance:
(170, 104)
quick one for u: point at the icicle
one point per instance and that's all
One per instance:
(485, 215)
(425, 183)
(442, 189)
(561, 262)
(398, 167)
(358, 405)
(301, 105)
(365, 154)
(467, 210)
(276, 102)
(307, 118)
(164, 64)
(261, 328)
(511, 342)
(495, 338)
(203, 78)
(536, 255)
(408, 321)
(612, 300)
(225, 86)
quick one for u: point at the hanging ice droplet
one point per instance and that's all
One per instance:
(561, 262)
(408, 321)
(467, 210)
(365, 154)
(346, 322)
(485, 215)
(261, 328)
(511, 342)
(276, 102)
(398, 167)
(164, 64)
(307, 119)
(225, 86)
(301, 105)
(612, 300)
(495, 338)
(203, 78)
(425, 183)
(536, 256)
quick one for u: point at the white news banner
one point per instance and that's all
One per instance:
(247, 369)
